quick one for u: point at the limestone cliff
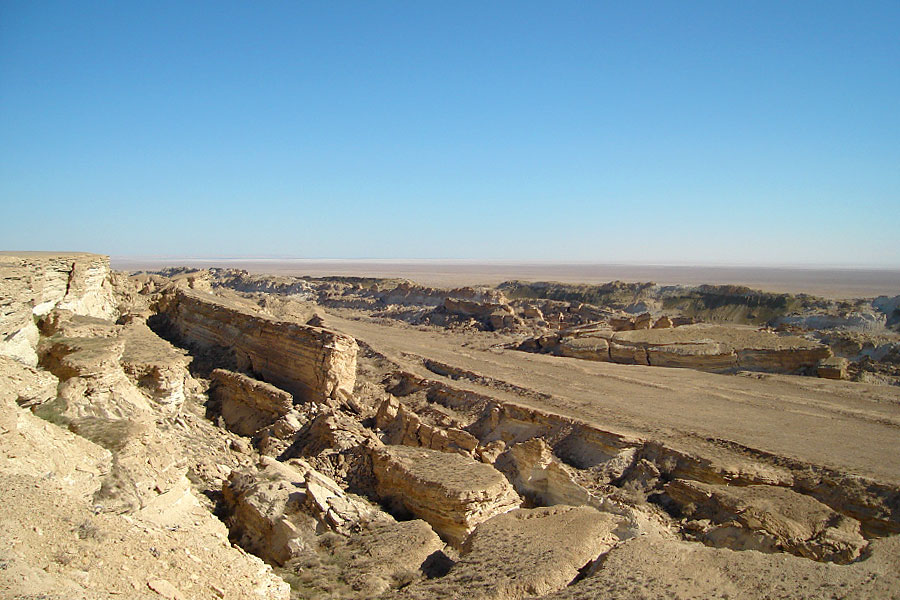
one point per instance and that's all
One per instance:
(34, 283)
(314, 364)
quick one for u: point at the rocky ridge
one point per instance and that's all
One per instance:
(330, 478)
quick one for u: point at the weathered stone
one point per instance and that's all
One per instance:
(833, 368)
(452, 492)
(247, 404)
(525, 552)
(314, 364)
(408, 429)
(540, 476)
(703, 356)
(158, 368)
(768, 519)
(714, 348)
(34, 283)
(585, 348)
(643, 321)
(277, 511)
(339, 446)
(384, 555)
(663, 322)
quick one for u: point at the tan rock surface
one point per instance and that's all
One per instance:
(655, 567)
(56, 541)
(247, 405)
(526, 552)
(451, 492)
(767, 519)
(384, 555)
(314, 364)
(277, 511)
(34, 283)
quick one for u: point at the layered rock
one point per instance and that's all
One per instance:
(401, 425)
(451, 492)
(339, 446)
(34, 283)
(541, 477)
(246, 404)
(494, 315)
(71, 537)
(314, 364)
(711, 348)
(525, 552)
(158, 368)
(768, 519)
(277, 511)
(833, 368)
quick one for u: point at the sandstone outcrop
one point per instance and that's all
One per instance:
(833, 368)
(278, 511)
(451, 492)
(401, 425)
(111, 517)
(384, 555)
(525, 552)
(246, 404)
(492, 315)
(34, 283)
(767, 519)
(663, 567)
(712, 348)
(314, 364)
(541, 477)
(339, 446)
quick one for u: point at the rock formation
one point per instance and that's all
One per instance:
(247, 405)
(314, 364)
(302, 445)
(716, 349)
(449, 491)
(32, 284)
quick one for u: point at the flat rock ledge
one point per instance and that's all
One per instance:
(452, 492)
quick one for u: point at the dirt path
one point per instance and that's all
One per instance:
(851, 427)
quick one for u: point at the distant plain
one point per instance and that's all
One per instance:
(827, 282)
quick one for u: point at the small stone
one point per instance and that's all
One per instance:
(165, 589)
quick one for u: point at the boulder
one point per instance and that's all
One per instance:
(768, 519)
(525, 552)
(248, 405)
(277, 511)
(453, 493)
(833, 368)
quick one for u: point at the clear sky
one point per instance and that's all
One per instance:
(656, 132)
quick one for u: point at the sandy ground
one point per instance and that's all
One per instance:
(830, 283)
(791, 416)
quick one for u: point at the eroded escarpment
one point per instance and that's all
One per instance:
(97, 492)
(711, 348)
(312, 363)
(420, 480)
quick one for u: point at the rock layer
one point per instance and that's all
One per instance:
(34, 283)
(314, 364)
(248, 405)
(451, 492)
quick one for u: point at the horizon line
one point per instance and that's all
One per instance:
(506, 261)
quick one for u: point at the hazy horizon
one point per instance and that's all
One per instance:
(832, 283)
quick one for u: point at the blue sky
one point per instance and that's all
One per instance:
(650, 132)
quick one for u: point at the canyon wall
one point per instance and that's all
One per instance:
(314, 364)
(34, 283)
